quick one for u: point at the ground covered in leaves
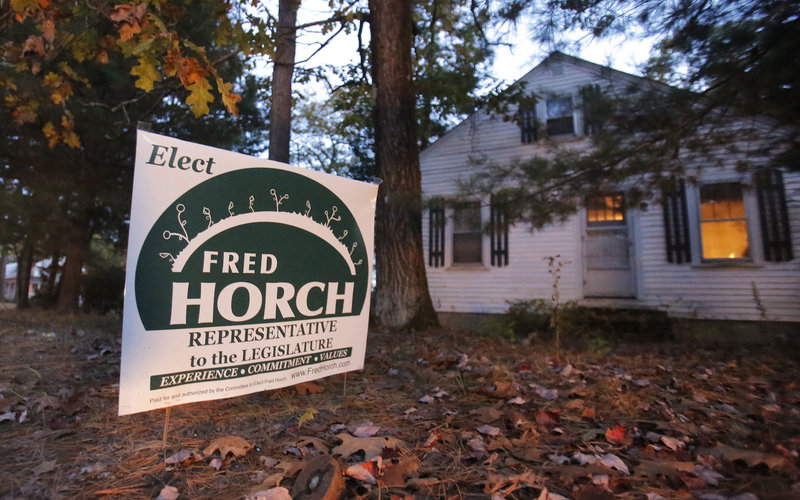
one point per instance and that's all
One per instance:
(436, 414)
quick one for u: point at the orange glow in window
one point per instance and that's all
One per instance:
(723, 224)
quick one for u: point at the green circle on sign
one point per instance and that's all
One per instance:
(255, 245)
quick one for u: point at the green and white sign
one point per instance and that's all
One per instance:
(243, 275)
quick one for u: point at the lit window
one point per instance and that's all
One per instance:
(559, 116)
(723, 225)
(605, 210)
(467, 233)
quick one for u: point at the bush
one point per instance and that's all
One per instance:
(584, 327)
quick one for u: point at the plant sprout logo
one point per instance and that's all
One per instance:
(270, 256)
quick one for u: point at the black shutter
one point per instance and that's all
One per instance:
(527, 125)
(436, 234)
(676, 224)
(592, 123)
(498, 231)
(774, 216)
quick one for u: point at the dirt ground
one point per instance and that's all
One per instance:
(436, 414)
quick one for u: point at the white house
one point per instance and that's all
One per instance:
(724, 245)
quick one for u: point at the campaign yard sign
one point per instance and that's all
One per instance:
(243, 275)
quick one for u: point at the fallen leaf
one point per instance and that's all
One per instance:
(228, 444)
(215, 464)
(501, 389)
(750, 457)
(592, 492)
(372, 446)
(710, 476)
(672, 443)
(270, 494)
(545, 393)
(548, 418)
(182, 456)
(267, 462)
(397, 471)
(306, 417)
(360, 473)
(619, 435)
(613, 462)
(489, 430)
(168, 493)
(426, 399)
(44, 467)
(487, 414)
(366, 430)
(309, 388)
(477, 445)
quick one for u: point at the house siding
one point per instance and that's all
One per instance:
(742, 291)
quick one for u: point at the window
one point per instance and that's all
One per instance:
(723, 222)
(559, 116)
(467, 233)
(606, 210)
(722, 217)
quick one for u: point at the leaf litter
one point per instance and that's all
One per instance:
(436, 414)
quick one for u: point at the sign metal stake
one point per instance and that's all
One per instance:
(166, 430)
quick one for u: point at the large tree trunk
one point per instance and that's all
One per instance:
(24, 266)
(280, 115)
(75, 250)
(401, 299)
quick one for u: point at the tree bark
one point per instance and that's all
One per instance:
(24, 266)
(280, 114)
(75, 250)
(402, 299)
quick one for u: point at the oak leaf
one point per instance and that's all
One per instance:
(228, 444)
(148, 75)
(372, 446)
(751, 457)
(304, 387)
(229, 99)
(397, 471)
(199, 97)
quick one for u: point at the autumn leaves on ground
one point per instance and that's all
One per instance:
(437, 414)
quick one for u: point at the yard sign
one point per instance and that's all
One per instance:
(243, 275)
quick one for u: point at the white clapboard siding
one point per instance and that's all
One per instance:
(763, 290)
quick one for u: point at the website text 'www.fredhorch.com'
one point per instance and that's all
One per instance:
(316, 370)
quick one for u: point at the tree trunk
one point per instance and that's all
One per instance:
(2, 275)
(75, 250)
(280, 115)
(401, 299)
(24, 266)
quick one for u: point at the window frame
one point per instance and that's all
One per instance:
(473, 204)
(562, 118)
(756, 256)
(707, 222)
